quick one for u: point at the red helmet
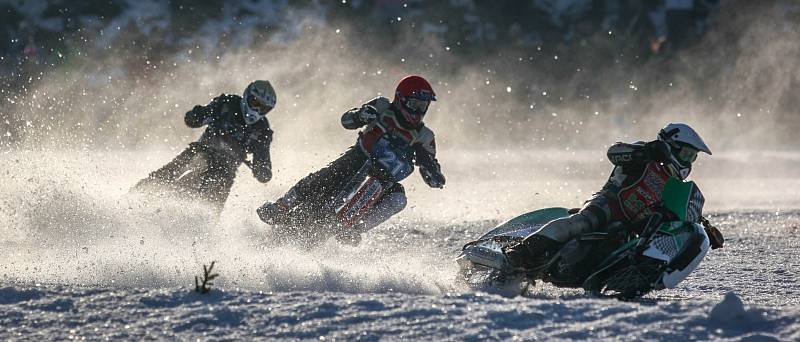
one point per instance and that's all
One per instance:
(413, 95)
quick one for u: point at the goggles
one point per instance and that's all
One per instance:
(423, 95)
(416, 105)
(256, 104)
(687, 154)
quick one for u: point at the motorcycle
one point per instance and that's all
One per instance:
(389, 163)
(619, 262)
(199, 173)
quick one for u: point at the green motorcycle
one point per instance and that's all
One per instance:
(617, 262)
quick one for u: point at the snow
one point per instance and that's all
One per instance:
(67, 312)
(85, 260)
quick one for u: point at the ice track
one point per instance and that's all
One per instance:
(83, 260)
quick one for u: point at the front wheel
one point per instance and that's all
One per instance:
(487, 279)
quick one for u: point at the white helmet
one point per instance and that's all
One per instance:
(684, 144)
(258, 99)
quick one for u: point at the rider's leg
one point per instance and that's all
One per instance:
(537, 248)
(171, 170)
(325, 183)
(593, 216)
(218, 181)
(317, 187)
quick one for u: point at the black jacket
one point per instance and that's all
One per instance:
(228, 134)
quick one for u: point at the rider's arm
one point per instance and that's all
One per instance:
(425, 157)
(356, 117)
(262, 163)
(638, 153)
(198, 116)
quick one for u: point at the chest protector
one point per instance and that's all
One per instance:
(387, 123)
(637, 200)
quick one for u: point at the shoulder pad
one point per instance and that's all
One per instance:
(230, 98)
(380, 103)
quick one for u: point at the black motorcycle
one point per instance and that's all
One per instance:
(199, 173)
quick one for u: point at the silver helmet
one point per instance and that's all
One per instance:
(258, 99)
(684, 144)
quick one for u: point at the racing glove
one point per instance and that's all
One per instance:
(657, 150)
(367, 114)
(262, 173)
(198, 116)
(434, 178)
(714, 235)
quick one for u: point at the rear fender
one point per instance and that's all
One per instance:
(525, 224)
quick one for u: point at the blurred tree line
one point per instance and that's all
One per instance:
(585, 51)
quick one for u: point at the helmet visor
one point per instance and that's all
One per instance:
(687, 154)
(417, 106)
(254, 103)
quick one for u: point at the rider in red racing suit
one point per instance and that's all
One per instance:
(402, 119)
(631, 193)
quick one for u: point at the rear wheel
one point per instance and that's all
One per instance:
(304, 225)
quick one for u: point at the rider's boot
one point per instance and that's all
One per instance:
(275, 212)
(531, 254)
(534, 252)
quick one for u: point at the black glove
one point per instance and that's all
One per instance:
(367, 114)
(198, 116)
(715, 237)
(657, 150)
(434, 178)
(263, 174)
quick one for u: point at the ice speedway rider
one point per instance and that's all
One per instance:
(236, 126)
(402, 120)
(633, 190)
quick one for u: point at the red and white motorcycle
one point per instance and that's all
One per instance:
(389, 163)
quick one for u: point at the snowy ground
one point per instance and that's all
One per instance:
(82, 259)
